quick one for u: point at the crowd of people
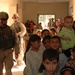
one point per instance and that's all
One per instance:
(39, 56)
(47, 51)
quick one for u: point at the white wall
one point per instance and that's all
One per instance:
(31, 10)
(28, 10)
(10, 6)
(71, 7)
(74, 9)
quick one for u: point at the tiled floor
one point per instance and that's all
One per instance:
(17, 70)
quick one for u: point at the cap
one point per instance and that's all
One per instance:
(15, 16)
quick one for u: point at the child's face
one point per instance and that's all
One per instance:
(45, 33)
(50, 66)
(39, 33)
(47, 43)
(52, 33)
(68, 23)
(67, 73)
(36, 45)
(55, 43)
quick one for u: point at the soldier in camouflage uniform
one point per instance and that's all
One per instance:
(7, 42)
(20, 30)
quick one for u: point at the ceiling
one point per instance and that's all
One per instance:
(45, 1)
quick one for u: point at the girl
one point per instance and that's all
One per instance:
(50, 62)
(33, 55)
(67, 71)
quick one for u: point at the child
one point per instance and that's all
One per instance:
(67, 71)
(45, 32)
(38, 32)
(50, 61)
(46, 41)
(33, 55)
(71, 60)
(55, 43)
(67, 35)
(53, 31)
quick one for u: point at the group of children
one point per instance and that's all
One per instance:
(52, 55)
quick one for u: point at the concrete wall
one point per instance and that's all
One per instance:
(31, 10)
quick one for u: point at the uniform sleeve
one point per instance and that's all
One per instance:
(23, 30)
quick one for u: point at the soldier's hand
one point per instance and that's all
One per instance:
(16, 34)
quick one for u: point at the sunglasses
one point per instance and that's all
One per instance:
(14, 17)
(4, 19)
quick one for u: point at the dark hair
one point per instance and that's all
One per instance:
(68, 17)
(45, 38)
(73, 49)
(67, 68)
(32, 38)
(53, 29)
(44, 31)
(56, 37)
(49, 54)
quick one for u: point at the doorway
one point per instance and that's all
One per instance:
(45, 19)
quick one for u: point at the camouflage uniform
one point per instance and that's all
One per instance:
(7, 42)
(19, 30)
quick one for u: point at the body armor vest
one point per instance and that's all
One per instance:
(7, 39)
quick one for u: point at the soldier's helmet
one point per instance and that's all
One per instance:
(15, 16)
(4, 15)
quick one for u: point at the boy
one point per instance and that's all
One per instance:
(55, 43)
(43, 34)
(46, 41)
(50, 62)
(67, 35)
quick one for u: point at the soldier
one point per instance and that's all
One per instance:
(7, 42)
(20, 30)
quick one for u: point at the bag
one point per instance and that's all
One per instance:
(7, 39)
